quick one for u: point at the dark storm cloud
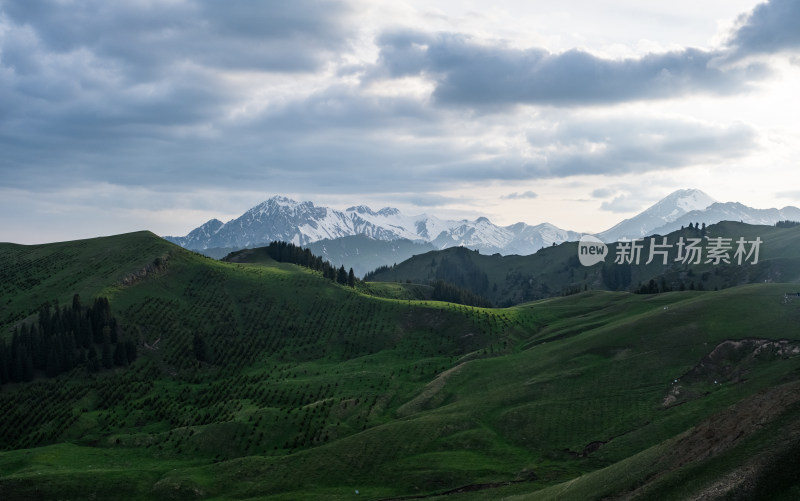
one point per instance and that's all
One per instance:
(771, 27)
(345, 107)
(142, 93)
(143, 37)
(135, 92)
(74, 74)
(480, 74)
(467, 72)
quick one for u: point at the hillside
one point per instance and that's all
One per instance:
(313, 390)
(556, 270)
(359, 252)
(33, 274)
(364, 254)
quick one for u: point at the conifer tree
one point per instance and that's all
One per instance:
(130, 351)
(53, 364)
(17, 367)
(105, 358)
(27, 367)
(199, 347)
(92, 361)
(4, 362)
(120, 356)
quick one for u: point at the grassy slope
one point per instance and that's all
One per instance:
(318, 390)
(31, 275)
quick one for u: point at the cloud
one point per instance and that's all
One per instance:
(621, 204)
(517, 195)
(793, 195)
(430, 199)
(610, 146)
(602, 193)
(130, 93)
(147, 92)
(771, 27)
(143, 37)
(476, 73)
(95, 71)
(72, 116)
(641, 144)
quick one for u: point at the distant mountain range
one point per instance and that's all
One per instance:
(683, 207)
(361, 238)
(303, 223)
(555, 271)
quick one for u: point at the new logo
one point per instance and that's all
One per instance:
(591, 250)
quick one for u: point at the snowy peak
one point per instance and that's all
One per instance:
(731, 211)
(198, 235)
(678, 203)
(666, 210)
(275, 202)
(362, 209)
(685, 207)
(389, 211)
(689, 200)
(212, 226)
(281, 218)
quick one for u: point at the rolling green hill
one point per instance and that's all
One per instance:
(306, 389)
(555, 271)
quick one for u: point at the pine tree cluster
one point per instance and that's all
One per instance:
(60, 340)
(284, 252)
(451, 293)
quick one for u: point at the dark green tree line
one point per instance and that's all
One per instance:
(285, 252)
(451, 293)
(61, 339)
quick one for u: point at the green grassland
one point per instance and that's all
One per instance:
(314, 390)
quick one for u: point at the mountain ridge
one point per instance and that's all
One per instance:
(663, 212)
(304, 223)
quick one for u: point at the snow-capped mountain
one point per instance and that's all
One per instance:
(731, 211)
(665, 211)
(302, 223)
(198, 236)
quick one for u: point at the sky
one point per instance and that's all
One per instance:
(162, 114)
